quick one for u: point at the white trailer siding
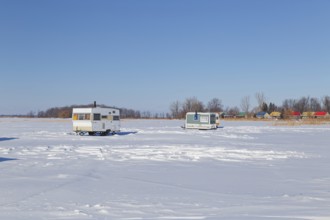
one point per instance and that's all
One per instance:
(96, 119)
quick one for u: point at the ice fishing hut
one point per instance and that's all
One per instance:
(96, 120)
(201, 120)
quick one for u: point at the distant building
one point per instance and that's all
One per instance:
(321, 115)
(228, 115)
(262, 115)
(221, 114)
(295, 115)
(275, 114)
(308, 115)
(241, 115)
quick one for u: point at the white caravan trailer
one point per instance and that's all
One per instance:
(201, 120)
(96, 120)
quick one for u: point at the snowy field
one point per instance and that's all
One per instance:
(154, 169)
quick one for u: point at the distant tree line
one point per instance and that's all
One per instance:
(66, 112)
(178, 109)
(304, 104)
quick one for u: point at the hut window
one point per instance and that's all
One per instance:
(116, 118)
(213, 119)
(97, 117)
(75, 117)
(204, 119)
(104, 117)
(81, 117)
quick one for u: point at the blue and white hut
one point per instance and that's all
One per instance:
(201, 120)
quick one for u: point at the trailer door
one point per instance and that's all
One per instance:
(97, 123)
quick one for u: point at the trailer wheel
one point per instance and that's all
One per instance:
(106, 133)
(81, 133)
(91, 133)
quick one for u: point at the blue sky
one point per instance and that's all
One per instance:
(146, 54)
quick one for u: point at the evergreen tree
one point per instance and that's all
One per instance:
(264, 107)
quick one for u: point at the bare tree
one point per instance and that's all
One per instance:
(137, 114)
(192, 105)
(302, 104)
(326, 103)
(260, 99)
(146, 114)
(289, 104)
(233, 111)
(245, 104)
(215, 105)
(175, 109)
(31, 114)
(315, 105)
(254, 110)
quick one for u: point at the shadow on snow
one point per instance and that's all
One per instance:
(122, 133)
(7, 139)
(2, 159)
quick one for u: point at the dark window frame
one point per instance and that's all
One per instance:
(96, 117)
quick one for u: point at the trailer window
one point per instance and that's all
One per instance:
(213, 119)
(104, 117)
(97, 117)
(81, 117)
(116, 118)
(75, 117)
(204, 119)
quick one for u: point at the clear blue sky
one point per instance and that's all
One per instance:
(146, 54)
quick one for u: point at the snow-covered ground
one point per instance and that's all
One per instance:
(154, 169)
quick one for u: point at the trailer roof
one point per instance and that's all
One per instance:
(200, 113)
(93, 110)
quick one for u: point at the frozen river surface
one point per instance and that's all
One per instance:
(153, 169)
